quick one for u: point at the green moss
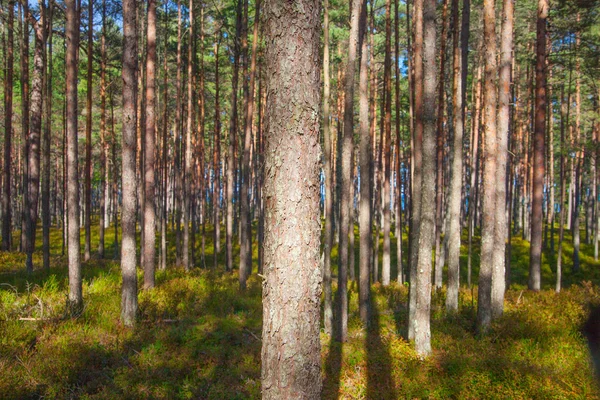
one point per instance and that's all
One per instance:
(198, 335)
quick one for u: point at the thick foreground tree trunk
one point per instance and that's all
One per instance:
(291, 359)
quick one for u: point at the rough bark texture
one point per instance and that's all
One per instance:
(88, 136)
(427, 204)
(33, 178)
(245, 226)
(8, 105)
(72, 32)
(328, 241)
(456, 170)
(365, 154)
(103, 143)
(149, 212)
(484, 305)
(501, 233)
(128, 181)
(387, 81)
(347, 149)
(415, 200)
(291, 360)
(535, 254)
(46, 162)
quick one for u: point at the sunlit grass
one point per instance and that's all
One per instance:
(198, 335)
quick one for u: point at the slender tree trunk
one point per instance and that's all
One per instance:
(486, 275)
(291, 306)
(439, 212)
(8, 130)
(455, 195)
(88, 136)
(128, 247)
(502, 134)
(417, 166)
(233, 130)
(327, 139)
(165, 150)
(33, 161)
(187, 177)
(387, 81)
(347, 148)
(216, 156)
(72, 33)
(535, 254)
(245, 221)
(25, 113)
(427, 204)
(563, 211)
(46, 162)
(365, 152)
(103, 142)
(398, 147)
(149, 212)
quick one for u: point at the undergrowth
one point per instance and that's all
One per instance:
(198, 336)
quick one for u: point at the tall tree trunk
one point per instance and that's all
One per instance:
(33, 161)
(8, 104)
(387, 81)
(231, 141)
(46, 162)
(216, 156)
(486, 276)
(88, 136)
(417, 165)
(149, 213)
(535, 254)
(128, 247)
(439, 212)
(72, 33)
(165, 150)
(327, 139)
(455, 195)
(427, 204)
(245, 222)
(291, 306)
(25, 115)
(398, 146)
(563, 211)
(365, 153)
(502, 134)
(347, 148)
(103, 142)
(187, 177)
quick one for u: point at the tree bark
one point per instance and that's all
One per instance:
(149, 212)
(503, 118)
(103, 142)
(245, 221)
(328, 170)
(535, 253)
(8, 130)
(291, 360)
(88, 136)
(365, 154)
(387, 81)
(417, 165)
(484, 304)
(128, 177)
(47, 15)
(347, 148)
(427, 203)
(72, 33)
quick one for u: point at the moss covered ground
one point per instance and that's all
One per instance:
(198, 336)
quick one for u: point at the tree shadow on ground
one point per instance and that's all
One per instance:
(380, 384)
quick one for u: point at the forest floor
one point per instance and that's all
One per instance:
(199, 337)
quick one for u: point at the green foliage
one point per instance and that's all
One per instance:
(198, 336)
